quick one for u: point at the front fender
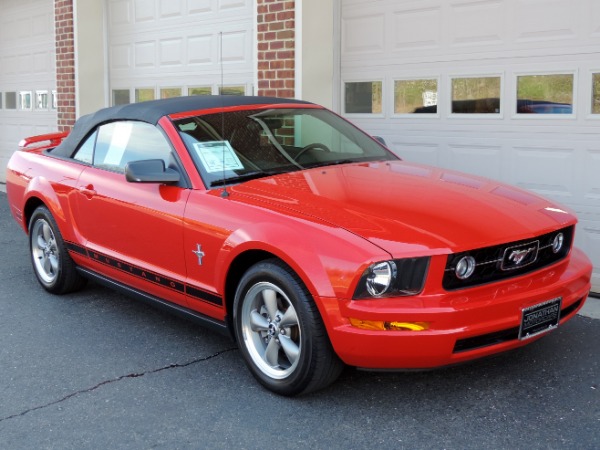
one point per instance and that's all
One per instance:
(327, 259)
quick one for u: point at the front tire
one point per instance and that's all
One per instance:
(53, 267)
(280, 331)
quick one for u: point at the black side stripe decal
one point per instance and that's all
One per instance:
(146, 275)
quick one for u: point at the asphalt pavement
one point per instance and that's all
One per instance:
(96, 370)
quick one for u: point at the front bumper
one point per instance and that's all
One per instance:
(463, 325)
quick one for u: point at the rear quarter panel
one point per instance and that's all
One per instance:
(34, 178)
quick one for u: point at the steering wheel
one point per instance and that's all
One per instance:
(315, 145)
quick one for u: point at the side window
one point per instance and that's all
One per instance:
(121, 142)
(85, 153)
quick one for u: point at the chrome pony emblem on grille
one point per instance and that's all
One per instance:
(519, 256)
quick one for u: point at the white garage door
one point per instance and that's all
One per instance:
(506, 90)
(166, 48)
(27, 73)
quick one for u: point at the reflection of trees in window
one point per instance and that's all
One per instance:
(415, 96)
(363, 97)
(232, 90)
(144, 95)
(596, 93)
(203, 90)
(476, 95)
(545, 94)
(170, 92)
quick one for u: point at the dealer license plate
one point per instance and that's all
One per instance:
(540, 318)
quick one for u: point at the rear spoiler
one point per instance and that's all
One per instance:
(43, 140)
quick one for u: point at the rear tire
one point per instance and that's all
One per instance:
(52, 264)
(280, 331)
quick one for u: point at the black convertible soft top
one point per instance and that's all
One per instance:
(152, 111)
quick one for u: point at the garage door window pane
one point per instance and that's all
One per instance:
(170, 92)
(11, 100)
(25, 101)
(200, 90)
(415, 96)
(545, 94)
(364, 97)
(55, 99)
(41, 99)
(476, 95)
(596, 93)
(120, 97)
(232, 90)
(144, 95)
(0, 100)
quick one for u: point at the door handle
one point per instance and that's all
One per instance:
(88, 191)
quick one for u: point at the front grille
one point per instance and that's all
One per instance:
(498, 337)
(492, 263)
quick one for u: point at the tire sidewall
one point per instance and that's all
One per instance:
(297, 381)
(42, 213)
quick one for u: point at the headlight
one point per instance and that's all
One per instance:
(400, 277)
(380, 278)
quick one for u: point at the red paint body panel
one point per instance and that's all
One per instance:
(328, 224)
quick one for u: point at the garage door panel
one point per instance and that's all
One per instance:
(200, 50)
(554, 155)
(477, 23)
(177, 45)
(170, 8)
(544, 20)
(421, 151)
(545, 170)
(482, 159)
(588, 239)
(409, 33)
(171, 52)
(363, 34)
(27, 64)
(591, 178)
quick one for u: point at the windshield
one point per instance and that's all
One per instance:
(237, 146)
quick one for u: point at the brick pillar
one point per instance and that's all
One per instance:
(276, 48)
(65, 63)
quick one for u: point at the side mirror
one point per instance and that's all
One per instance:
(380, 140)
(150, 171)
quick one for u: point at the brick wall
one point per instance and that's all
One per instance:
(65, 63)
(276, 48)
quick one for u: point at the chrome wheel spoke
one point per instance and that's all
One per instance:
(41, 242)
(289, 318)
(258, 322)
(271, 355)
(271, 330)
(53, 264)
(47, 265)
(270, 298)
(291, 350)
(47, 232)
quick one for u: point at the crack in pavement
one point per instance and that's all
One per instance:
(114, 380)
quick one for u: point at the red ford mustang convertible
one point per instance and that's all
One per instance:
(282, 224)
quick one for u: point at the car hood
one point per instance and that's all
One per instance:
(409, 209)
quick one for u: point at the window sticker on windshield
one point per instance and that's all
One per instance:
(217, 156)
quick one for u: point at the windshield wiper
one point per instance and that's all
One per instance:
(246, 177)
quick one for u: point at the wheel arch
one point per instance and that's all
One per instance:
(240, 265)
(40, 193)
